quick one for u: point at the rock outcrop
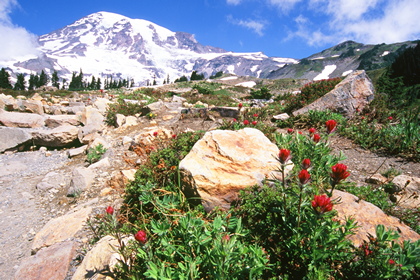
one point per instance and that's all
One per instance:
(224, 162)
(350, 95)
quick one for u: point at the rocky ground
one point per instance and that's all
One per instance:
(25, 209)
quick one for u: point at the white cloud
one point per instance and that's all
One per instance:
(365, 21)
(284, 5)
(16, 41)
(256, 26)
(233, 2)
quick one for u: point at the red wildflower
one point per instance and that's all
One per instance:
(363, 118)
(235, 120)
(284, 155)
(331, 126)
(390, 118)
(240, 105)
(290, 130)
(304, 176)
(155, 133)
(391, 261)
(339, 172)
(254, 122)
(141, 236)
(109, 210)
(322, 204)
(173, 136)
(226, 238)
(306, 163)
(246, 122)
(316, 138)
(312, 130)
(255, 115)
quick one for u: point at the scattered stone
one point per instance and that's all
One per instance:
(351, 94)
(224, 162)
(82, 180)
(61, 136)
(49, 263)
(120, 119)
(33, 106)
(368, 216)
(409, 191)
(54, 121)
(60, 229)
(11, 137)
(281, 117)
(23, 120)
(77, 151)
(131, 121)
(376, 179)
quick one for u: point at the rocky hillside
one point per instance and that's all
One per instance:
(341, 60)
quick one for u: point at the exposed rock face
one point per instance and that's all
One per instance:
(353, 93)
(11, 137)
(368, 216)
(58, 137)
(24, 120)
(49, 263)
(408, 188)
(224, 162)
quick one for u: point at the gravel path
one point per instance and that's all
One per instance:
(22, 211)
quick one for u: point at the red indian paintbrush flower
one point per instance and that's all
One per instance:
(331, 126)
(109, 210)
(155, 133)
(339, 172)
(290, 130)
(240, 105)
(254, 122)
(312, 130)
(141, 236)
(316, 138)
(255, 115)
(322, 204)
(284, 155)
(246, 122)
(304, 176)
(306, 163)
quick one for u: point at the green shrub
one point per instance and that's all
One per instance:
(95, 154)
(121, 107)
(262, 93)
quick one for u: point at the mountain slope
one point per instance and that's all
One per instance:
(106, 44)
(341, 60)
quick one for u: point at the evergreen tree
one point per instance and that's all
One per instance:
(4, 79)
(92, 83)
(132, 83)
(55, 79)
(36, 81)
(31, 82)
(64, 83)
(167, 79)
(76, 82)
(181, 79)
(196, 77)
(20, 83)
(98, 83)
(154, 82)
(43, 79)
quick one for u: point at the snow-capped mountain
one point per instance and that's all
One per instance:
(105, 44)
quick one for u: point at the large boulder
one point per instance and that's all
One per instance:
(368, 216)
(62, 136)
(350, 95)
(24, 120)
(33, 106)
(224, 162)
(11, 137)
(58, 120)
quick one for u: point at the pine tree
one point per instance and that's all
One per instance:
(20, 83)
(4, 79)
(98, 83)
(31, 82)
(55, 79)
(93, 83)
(43, 79)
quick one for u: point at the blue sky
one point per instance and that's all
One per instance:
(282, 28)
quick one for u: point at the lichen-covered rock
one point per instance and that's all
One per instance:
(224, 162)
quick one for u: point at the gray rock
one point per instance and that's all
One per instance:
(24, 120)
(11, 137)
(82, 180)
(58, 120)
(61, 136)
(77, 151)
(351, 94)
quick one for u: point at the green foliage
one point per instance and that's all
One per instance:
(309, 93)
(217, 75)
(20, 83)
(5, 79)
(262, 93)
(94, 154)
(196, 77)
(181, 79)
(120, 107)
